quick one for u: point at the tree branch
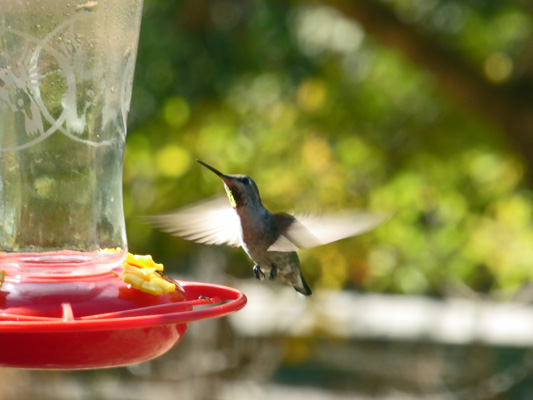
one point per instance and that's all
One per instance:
(507, 107)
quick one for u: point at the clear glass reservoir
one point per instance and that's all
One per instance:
(66, 73)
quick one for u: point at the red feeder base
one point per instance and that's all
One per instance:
(98, 321)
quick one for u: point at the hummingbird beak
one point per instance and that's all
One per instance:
(225, 178)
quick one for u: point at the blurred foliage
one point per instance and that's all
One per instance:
(323, 117)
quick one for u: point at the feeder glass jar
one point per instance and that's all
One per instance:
(66, 73)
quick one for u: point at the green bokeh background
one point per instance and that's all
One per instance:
(326, 112)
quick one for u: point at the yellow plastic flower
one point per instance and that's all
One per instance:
(141, 273)
(143, 262)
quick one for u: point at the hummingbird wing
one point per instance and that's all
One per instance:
(211, 221)
(305, 231)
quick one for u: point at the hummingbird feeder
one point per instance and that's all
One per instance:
(71, 297)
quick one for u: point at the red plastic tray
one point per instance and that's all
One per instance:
(100, 323)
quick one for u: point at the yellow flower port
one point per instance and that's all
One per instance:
(141, 272)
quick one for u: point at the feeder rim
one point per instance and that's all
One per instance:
(224, 300)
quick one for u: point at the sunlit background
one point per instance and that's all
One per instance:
(418, 108)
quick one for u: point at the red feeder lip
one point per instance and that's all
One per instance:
(111, 338)
(222, 300)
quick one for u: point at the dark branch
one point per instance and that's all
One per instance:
(507, 107)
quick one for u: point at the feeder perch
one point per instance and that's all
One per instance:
(66, 74)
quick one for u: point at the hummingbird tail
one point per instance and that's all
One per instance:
(302, 286)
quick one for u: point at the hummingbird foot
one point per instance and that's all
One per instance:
(259, 274)
(273, 273)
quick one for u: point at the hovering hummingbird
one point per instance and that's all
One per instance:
(270, 240)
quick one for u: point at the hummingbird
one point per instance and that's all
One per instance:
(270, 240)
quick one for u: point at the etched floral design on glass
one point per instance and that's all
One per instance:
(66, 72)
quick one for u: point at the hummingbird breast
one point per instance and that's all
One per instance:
(260, 229)
(258, 232)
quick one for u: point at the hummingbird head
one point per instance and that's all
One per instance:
(241, 189)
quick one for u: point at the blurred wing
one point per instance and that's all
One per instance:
(211, 221)
(307, 231)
